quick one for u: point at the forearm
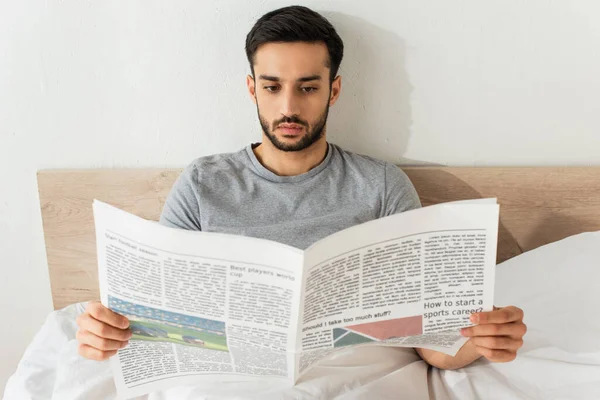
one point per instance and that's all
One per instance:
(465, 356)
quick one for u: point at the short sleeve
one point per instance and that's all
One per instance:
(182, 207)
(400, 194)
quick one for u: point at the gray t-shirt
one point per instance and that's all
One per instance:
(234, 193)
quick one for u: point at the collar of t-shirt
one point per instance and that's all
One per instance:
(265, 173)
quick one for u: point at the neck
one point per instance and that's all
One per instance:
(290, 163)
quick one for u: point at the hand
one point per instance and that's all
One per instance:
(498, 334)
(101, 332)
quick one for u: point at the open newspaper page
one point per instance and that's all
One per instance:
(199, 303)
(410, 279)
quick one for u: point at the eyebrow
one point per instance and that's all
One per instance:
(303, 79)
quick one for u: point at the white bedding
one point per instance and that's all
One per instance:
(558, 287)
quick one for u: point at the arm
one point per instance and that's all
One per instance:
(182, 206)
(103, 332)
(399, 193)
(497, 337)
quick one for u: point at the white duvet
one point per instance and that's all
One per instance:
(558, 287)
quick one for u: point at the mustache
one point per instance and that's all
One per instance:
(290, 120)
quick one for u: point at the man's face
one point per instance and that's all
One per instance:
(292, 93)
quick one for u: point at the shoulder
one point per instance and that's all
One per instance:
(361, 163)
(390, 173)
(386, 179)
(203, 175)
(395, 176)
(214, 166)
(216, 162)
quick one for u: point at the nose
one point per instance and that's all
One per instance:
(290, 104)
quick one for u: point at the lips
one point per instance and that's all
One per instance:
(290, 126)
(290, 129)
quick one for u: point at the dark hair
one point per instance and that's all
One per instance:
(296, 24)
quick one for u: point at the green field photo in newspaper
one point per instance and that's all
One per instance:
(152, 324)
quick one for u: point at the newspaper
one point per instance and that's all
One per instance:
(218, 306)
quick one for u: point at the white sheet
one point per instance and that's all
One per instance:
(557, 286)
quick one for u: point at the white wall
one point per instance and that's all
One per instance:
(156, 84)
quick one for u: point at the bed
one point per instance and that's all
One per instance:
(548, 254)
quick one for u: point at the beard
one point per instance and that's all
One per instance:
(309, 138)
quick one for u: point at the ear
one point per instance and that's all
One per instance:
(251, 87)
(336, 88)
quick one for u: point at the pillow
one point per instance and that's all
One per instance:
(558, 288)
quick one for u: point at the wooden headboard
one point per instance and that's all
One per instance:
(537, 206)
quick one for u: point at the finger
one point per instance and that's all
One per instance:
(88, 323)
(498, 342)
(513, 329)
(496, 355)
(499, 316)
(101, 313)
(94, 354)
(97, 342)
